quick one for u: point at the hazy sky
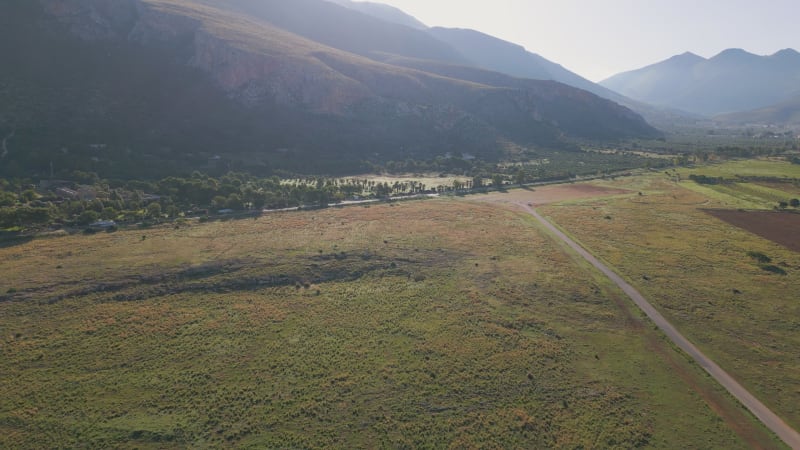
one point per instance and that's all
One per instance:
(598, 38)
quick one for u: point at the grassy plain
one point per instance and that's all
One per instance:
(443, 323)
(697, 271)
(777, 168)
(762, 195)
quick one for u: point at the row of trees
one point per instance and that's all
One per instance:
(21, 205)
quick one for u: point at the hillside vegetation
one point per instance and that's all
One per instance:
(164, 86)
(426, 324)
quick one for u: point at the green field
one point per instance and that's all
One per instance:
(759, 184)
(776, 168)
(697, 271)
(441, 323)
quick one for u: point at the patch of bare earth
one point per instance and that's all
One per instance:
(778, 227)
(550, 194)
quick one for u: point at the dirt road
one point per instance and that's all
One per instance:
(767, 417)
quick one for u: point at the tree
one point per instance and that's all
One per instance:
(219, 201)
(497, 180)
(97, 205)
(173, 211)
(234, 201)
(28, 195)
(24, 216)
(108, 213)
(382, 190)
(7, 199)
(87, 217)
(520, 177)
(154, 210)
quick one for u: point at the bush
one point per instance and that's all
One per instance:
(87, 217)
(760, 257)
(773, 269)
(702, 179)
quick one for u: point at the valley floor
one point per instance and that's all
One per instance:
(443, 322)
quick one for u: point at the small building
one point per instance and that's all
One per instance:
(66, 193)
(103, 225)
(45, 185)
(86, 193)
(150, 198)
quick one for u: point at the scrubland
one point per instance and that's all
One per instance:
(439, 323)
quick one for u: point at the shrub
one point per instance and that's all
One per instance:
(760, 257)
(87, 217)
(773, 269)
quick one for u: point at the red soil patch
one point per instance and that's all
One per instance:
(778, 227)
(549, 194)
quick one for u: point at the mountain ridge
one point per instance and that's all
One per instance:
(733, 80)
(489, 52)
(384, 12)
(786, 113)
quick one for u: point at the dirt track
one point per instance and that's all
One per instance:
(758, 409)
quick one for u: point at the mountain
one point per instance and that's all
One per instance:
(498, 55)
(785, 113)
(495, 54)
(342, 27)
(484, 51)
(155, 87)
(383, 12)
(734, 80)
(599, 117)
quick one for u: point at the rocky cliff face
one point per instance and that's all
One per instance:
(93, 19)
(246, 75)
(254, 79)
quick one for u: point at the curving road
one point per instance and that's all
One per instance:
(767, 417)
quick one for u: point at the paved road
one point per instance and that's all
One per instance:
(767, 417)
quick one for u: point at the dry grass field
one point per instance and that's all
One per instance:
(544, 195)
(732, 292)
(440, 323)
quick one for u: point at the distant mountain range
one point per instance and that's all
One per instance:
(154, 87)
(785, 113)
(732, 81)
(488, 52)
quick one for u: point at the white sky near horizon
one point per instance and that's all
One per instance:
(597, 39)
